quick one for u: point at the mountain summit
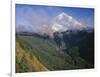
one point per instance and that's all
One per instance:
(62, 22)
(69, 22)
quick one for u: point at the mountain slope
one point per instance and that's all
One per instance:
(45, 51)
(84, 40)
(25, 61)
(38, 54)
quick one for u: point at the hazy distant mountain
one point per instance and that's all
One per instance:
(61, 22)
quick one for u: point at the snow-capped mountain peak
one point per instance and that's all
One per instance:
(68, 22)
(63, 15)
(61, 23)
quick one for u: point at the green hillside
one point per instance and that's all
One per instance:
(46, 55)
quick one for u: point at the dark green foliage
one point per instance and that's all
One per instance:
(84, 41)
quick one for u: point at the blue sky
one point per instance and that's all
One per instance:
(37, 15)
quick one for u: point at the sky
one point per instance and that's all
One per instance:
(31, 16)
